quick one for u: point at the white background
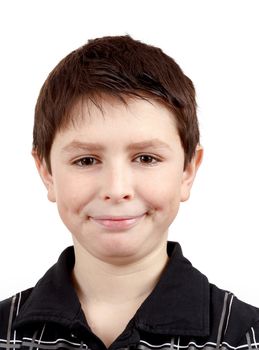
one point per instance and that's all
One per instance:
(216, 44)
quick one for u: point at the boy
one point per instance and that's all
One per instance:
(128, 108)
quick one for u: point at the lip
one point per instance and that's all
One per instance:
(114, 217)
(117, 223)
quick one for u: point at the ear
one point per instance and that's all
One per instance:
(45, 175)
(189, 174)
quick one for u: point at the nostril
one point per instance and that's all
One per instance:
(117, 197)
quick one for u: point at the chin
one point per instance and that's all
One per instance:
(118, 251)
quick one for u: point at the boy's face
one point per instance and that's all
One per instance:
(134, 170)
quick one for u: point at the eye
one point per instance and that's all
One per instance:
(85, 162)
(147, 159)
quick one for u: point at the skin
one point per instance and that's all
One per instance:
(118, 268)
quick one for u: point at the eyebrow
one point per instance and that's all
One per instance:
(92, 146)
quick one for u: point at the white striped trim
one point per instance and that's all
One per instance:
(10, 320)
(18, 305)
(253, 331)
(154, 346)
(229, 312)
(42, 341)
(38, 341)
(43, 329)
(17, 312)
(198, 346)
(178, 345)
(11, 341)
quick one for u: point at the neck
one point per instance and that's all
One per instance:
(98, 281)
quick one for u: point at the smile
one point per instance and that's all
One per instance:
(118, 223)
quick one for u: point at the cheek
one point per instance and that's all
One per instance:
(163, 191)
(71, 195)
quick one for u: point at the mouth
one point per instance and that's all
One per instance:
(117, 223)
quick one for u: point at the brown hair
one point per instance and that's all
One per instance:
(118, 66)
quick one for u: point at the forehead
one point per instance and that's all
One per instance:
(109, 118)
(95, 108)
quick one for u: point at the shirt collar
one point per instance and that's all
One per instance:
(178, 305)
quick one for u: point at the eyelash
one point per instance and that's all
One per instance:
(78, 161)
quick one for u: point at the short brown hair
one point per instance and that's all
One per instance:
(118, 66)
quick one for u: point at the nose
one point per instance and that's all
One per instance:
(117, 184)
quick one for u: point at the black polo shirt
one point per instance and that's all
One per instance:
(184, 311)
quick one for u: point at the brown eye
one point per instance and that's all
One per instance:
(85, 162)
(146, 159)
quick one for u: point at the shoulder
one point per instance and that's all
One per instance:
(9, 309)
(235, 322)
